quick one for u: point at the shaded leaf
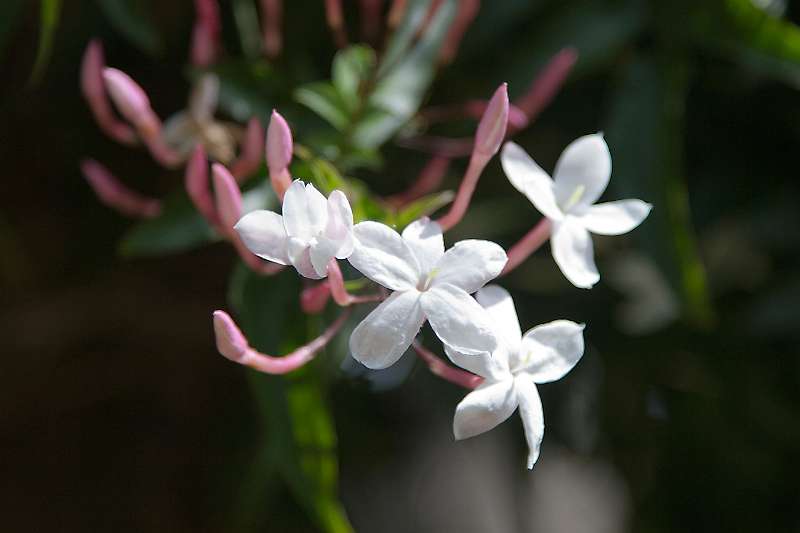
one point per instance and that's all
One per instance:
(49, 11)
(352, 67)
(10, 11)
(323, 98)
(423, 207)
(130, 18)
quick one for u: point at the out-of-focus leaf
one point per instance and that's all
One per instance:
(423, 207)
(247, 88)
(403, 35)
(180, 227)
(249, 31)
(401, 87)
(298, 440)
(323, 98)
(352, 67)
(9, 15)
(649, 165)
(49, 11)
(130, 18)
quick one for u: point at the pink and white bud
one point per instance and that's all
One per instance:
(251, 150)
(197, 186)
(546, 85)
(115, 194)
(132, 102)
(228, 195)
(206, 33)
(279, 153)
(272, 15)
(94, 91)
(231, 343)
(493, 124)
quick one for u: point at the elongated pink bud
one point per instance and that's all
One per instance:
(279, 153)
(233, 345)
(251, 150)
(335, 20)
(314, 298)
(94, 91)
(272, 15)
(197, 186)
(546, 85)
(206, 33)
(113, 193)
(493, 124)
(490, 134)
(132, 102)
(467, 11)
(228, 195)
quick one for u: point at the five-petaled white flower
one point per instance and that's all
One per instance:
(310, 233)
(427, 283)
(580, 177)
(544, 354)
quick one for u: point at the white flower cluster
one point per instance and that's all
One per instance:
(480, 334)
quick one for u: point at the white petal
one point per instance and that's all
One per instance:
(582, 172)
(300, 258)
(458, 320)
(470, 264)
(264, 235)
(615, 218)
(529, 179)
(339, 228)
(491, 366)
(305, 211)
(321, 253)
(551, 350)
(383, 256)
(530, 410)
(572, 250)
(500, 306)
(484, 408)
(424, 237)
(387, 332)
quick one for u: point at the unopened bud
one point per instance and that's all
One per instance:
(228, 195)
(279, 143)
(493, 124)
(132, 102)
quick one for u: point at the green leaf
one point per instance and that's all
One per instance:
(648, 164)
(323, 98)
(298, 436)
(130, 18)
(10, 11)
(352, 67)
(423, 207)
(249, 31)
(248, 88)
(49, 11)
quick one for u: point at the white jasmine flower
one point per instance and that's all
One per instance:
(544, 354)
(427, 283)
(568, 200)
(310, 233)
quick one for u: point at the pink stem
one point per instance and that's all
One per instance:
(280, 180)
(251, 151)
(113, 193)
(467, 11)
(272, 14)
(528, 244)
(460, 205)
(339, 291)
(335, 20)
(314, 298)
(233, 345)
(468, 380)
(428, 180)
(197, 185)
(94, 91)
(370, 19)
(162, 153)
(546, 85)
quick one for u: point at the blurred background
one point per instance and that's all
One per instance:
(117, 413)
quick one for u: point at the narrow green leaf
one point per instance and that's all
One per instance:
(352, 67)
(323, 98)
(423, 207)
(49, 11)
(248, 88)
(246, 17)
(131, 19)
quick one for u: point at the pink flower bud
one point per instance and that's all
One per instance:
(205, 36)
(279, 143)
(229, 197)
(197, 187)
(272, 13)
(95, 93)
(132, 102)
(250, 153)
(231, 343)
(113, 193)
(492, 127)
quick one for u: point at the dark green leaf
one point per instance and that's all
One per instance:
(131, 19)
(248, 88)
(49, 11)
(249, 31)
(423, 207)
(10, 11)
(352, 67)
(323, 98)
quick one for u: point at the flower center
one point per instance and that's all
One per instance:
(425, 283)
(574, 198)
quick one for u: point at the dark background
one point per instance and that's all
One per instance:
(116, 412)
